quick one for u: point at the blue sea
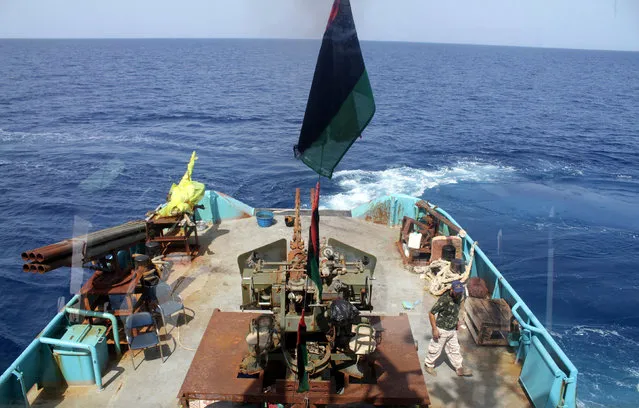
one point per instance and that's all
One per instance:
(534, 151)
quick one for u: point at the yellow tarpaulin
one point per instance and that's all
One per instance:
(185, 195)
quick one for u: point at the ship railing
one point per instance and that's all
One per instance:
(36, 364)
(548, 375)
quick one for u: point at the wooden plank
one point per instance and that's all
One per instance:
(477, 316)
(505, 311)
(500, 312)
(486, 321)
(471, 328)
(478, 310)
(494, 316)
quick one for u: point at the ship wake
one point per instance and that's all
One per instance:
(360, 186)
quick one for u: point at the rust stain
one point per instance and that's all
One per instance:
(244, 214)
(223, 347)
(241, 216)
(379, 214)
(399, 211)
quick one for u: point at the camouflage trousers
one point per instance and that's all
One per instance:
(447, 341)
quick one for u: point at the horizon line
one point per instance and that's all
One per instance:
(319, 39)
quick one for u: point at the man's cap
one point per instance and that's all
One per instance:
(457, 286)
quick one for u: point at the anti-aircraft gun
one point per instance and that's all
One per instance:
(275, 280)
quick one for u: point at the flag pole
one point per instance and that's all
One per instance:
(302, 355)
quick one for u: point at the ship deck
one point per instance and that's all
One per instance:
(212, 281)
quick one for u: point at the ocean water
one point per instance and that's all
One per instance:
(534, 151)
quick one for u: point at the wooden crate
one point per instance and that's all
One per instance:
(488, 321)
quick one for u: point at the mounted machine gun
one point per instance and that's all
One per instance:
(275, 280)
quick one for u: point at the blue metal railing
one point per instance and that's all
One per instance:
(90, 348)
(34, 365)
(103, 315)
(559, 388)
(548, 376)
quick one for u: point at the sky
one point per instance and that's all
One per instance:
(590, 24)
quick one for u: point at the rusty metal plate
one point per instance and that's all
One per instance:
(213, 374)
(379, 213)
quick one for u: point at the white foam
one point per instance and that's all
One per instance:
(633, 371)
(86, 135)
(558, 168)
(581, 330)
(361, 186)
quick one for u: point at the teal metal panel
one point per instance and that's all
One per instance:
(540, 376)
(377, 209)
(228, 208)
(84, 333)
(77, 365)
(34, 365)
(103, 315)
(49, 373)
(205, 214)
(219, 207)
(404, 205)
(364, 210)
(95, 360)
(388, 209)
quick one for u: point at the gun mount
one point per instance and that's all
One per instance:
(275, 280)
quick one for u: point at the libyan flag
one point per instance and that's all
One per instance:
(340, 103)
(312, 259)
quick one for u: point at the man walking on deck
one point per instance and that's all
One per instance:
(445, 328)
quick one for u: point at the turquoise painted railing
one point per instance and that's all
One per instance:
(547, 374)
(87, 347)
(103, 315)
(36, 364)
